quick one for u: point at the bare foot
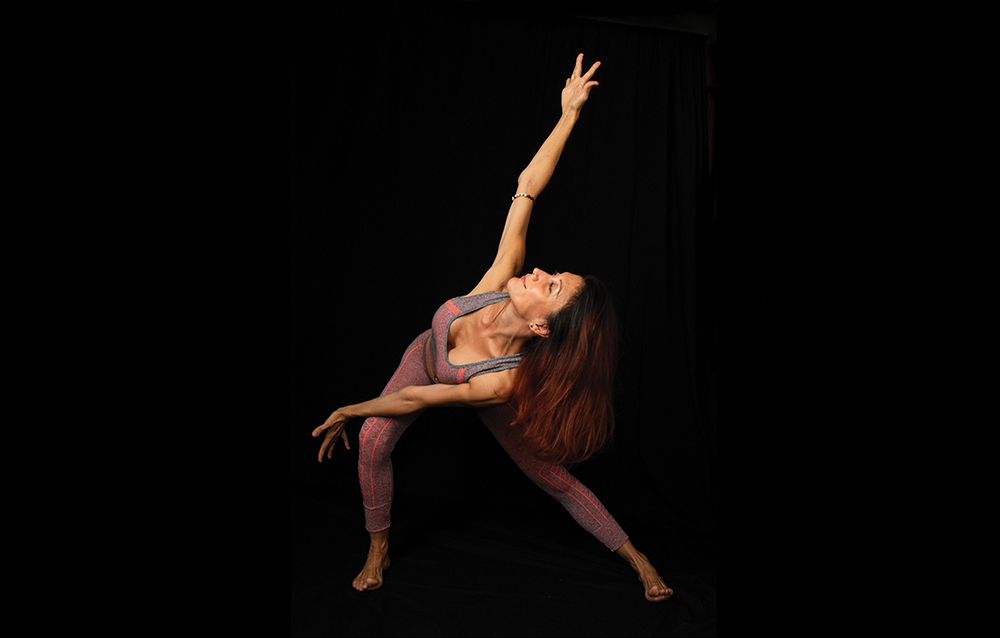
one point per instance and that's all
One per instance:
(656, 589)
(370, 577)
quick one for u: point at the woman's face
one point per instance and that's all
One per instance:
(539, 294)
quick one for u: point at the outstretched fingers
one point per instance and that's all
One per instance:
(330, 440)
(329, 423)
(325, 449)
(578, 69)
(583, 82)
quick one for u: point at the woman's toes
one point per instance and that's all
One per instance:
(658, 592)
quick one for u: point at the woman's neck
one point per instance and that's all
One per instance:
(506, 329)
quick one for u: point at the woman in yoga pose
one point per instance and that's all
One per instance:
(535, 355)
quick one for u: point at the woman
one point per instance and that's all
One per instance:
(513, 348)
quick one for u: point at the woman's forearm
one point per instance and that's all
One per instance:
(536, 175)
(393, 404)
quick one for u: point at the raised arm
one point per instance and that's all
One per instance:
(533, 179)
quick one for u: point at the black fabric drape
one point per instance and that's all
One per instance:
(408, 132)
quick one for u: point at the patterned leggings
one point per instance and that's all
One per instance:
(379, 436)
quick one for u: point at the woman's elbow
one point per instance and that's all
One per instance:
(525, 182)
(412, 399)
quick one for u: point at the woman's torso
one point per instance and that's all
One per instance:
(456, 351)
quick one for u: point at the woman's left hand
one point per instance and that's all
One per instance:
(578, 87)
(334, 427)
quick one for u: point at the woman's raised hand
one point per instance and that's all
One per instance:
(578, 86)
(334, 426)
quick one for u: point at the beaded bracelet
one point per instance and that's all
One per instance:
(522, 195)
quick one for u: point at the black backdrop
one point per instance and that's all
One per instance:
(409, 128)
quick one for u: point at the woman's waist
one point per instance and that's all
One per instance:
(429, 350)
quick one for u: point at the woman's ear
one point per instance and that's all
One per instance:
(540, 329)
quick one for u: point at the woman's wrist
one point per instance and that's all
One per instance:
(570, 114)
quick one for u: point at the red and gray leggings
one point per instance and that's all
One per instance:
(379, 436)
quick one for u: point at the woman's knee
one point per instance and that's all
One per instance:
(377, 438)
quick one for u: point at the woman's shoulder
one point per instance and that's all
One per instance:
(467, 304)
(500, 382)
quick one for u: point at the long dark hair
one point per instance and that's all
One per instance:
(563, 387)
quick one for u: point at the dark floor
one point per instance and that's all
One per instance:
(517, 565)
